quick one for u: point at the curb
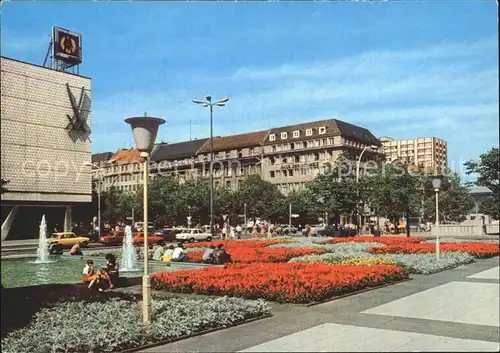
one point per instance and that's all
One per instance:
(196, 334)
(367, 289)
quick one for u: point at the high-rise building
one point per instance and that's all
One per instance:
(430, 153)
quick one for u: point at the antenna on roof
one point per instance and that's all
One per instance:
(189, 129)
(145, 114)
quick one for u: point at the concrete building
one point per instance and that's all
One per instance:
(123, 171)
(295, 154)
(45, 143)
(428, 152)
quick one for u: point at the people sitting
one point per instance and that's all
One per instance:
(75, 250)
(179, 254)
(111, 268)
(167, 256)
(159, 250)
(208, 256)
(220, 256)
(95, 278)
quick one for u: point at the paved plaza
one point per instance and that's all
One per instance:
(454, 310)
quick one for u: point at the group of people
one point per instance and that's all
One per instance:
(103, 278)
(171, 253)
(216, 255)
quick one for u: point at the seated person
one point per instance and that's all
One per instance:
(111, 268)
(208, 256)
(75, 250)
(95, 277)
(158, 252)
(88, 271)
(167, 256)
(220, 255)
(179, 253)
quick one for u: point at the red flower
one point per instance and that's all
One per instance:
(289, 282)
(479, 250)
(383, 240)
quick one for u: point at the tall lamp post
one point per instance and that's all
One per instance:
(208, 103)
(371, 148)
(436, 184)
(99, 189)
(144, 130)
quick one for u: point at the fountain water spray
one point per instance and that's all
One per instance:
(43, 247)
(129, 256)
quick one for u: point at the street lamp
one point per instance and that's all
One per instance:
(371, 148)
(436, 184)
(245, 213)
(144, 130)
(208, 103)
(99, 187)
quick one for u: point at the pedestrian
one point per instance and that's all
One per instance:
(238, 231)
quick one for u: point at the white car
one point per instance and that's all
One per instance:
(194, 234)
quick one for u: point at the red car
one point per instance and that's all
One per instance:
(152, 239)
(112, 238)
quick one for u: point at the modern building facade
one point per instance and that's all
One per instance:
(45, 144)
(428, 152)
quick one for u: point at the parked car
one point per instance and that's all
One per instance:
(138, 239)
(167, 234)
(328, 231)
(194, 234)
(65, 240)
(112, 238)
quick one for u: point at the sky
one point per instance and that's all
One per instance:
(400, 69)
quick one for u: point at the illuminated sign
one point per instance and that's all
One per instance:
(67, 46)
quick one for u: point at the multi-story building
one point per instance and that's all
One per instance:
(428, 152)
(45, 144)
(295, 154)
(235, 157)
(287, 156)
(177, 159)
(123, 171)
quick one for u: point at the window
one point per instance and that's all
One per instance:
(284, 172)
(296, 133)
(271, 173)
(272, 137)
(284, 135)
(290, 173)
(309, 132)
(322, 130)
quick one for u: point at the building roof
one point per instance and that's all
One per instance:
(333, 127)
(173, 151)
(126, 156)
(101, 158)
(43, 67)
(235, 141)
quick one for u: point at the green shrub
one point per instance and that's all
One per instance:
(117, 324)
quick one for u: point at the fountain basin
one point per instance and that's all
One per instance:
(23, 272)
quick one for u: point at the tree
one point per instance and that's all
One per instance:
(110, 206)
(488, 170)
(454, 200)
(263, 199)
(490, 207)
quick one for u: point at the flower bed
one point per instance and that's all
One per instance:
(117, 325)
(229, 244)
(383, 240)
(414, 263)
(478, 250)
(284, 283)
(249, 255)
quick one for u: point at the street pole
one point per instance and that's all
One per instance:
(132, 217)
(245, 211)
(211, 168)
(438, 250)
(99, 208)
(146, 283)
(290, 219)
(358, 218)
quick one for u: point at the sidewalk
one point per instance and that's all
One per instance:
(455, 310)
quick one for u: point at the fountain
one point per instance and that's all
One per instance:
(129, 256)
(43, 247)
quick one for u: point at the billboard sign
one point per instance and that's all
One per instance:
(66, 46)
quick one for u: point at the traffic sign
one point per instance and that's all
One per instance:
(295, 215)
(189, 218)
(224, 216)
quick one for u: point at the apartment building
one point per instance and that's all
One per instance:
(177, 159)
(287, 156)
(122, 171)
(235, 157)
(296, 154)
(428, 152)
